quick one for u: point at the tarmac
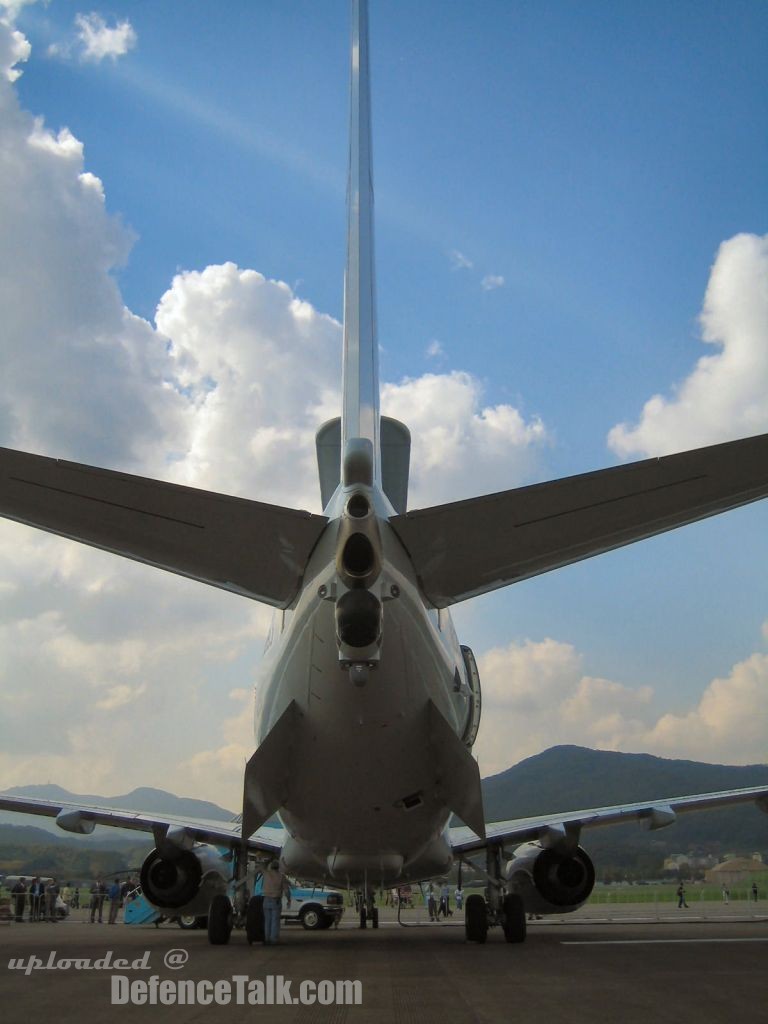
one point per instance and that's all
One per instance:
(628, 963)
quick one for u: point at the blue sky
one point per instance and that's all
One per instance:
(554, 182)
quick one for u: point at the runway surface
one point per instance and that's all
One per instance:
(708, 971)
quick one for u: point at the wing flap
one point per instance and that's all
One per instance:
(247, 547)
(471, 547)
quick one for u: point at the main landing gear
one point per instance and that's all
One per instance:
(368, 909)
(224, 914)
(505, 909)
(221, 920)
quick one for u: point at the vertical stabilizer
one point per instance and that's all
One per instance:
(360, 412)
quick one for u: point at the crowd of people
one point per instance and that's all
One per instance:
(438, 903)
(43, 899)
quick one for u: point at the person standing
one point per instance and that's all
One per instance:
(274, 884)
(445, 901)
(754, 891)
(726, 894)
(114, 901)
(431, 903)
(126, 889)
(19, 893)
(98, 893)
(681, 897)
(37, 900)
(51, 897)
(459, 897)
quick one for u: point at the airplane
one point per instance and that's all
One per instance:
(366, 704)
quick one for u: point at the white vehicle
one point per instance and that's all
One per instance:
(313, 907)
(367, 706)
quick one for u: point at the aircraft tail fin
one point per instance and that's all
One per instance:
(360, 367)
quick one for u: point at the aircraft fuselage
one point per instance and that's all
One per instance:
(363, 806)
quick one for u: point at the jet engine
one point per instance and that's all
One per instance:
(186, 881)
(550, 881)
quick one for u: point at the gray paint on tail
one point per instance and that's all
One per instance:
(360, 373)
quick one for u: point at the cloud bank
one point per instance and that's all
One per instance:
(536, 694)
(225, 390)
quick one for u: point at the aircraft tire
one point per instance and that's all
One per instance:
(375, 917)
(219, 920)
(514, 918)
(476, 919)
(363, 915)
(254, 920)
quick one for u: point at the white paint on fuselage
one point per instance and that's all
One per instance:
(363, 749)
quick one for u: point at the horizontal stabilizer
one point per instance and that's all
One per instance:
(456, 773)
(247, 547)
(471, 547)
(268, 773)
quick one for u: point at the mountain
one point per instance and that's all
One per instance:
(563, 778)
(568, 778)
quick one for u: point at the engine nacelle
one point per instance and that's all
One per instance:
(549, 881)
(186, 882)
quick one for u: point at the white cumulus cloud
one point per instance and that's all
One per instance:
(729, 723)
(225, 390)
(461, 448)
(536, 694)
(726, 394)
(14, 47)
(98, 40)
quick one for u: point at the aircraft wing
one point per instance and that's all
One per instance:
(247, 547)
(549, 829)
(471, 547)
(81, 819)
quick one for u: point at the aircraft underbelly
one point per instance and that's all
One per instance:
(361, 799)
